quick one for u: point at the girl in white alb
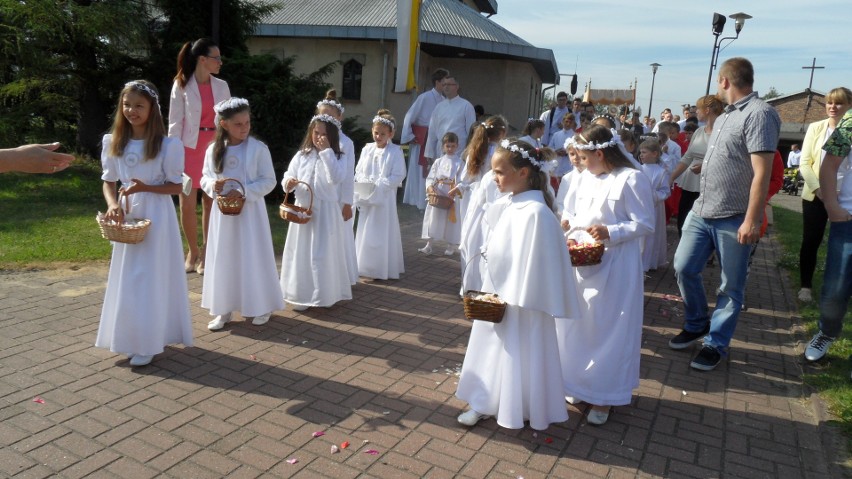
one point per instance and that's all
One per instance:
(654, 250)
(511, 369)
(612, 203)
(146, 304)
(241, 274)
(378, 242)
(438, 223)
(313, 266)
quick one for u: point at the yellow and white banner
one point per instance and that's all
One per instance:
(407, 42)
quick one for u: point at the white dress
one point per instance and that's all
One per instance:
(378, 242)
(146, 304)
(654, 249)
(468, 182)
(347, 194)
(241, 273)
(438, 224)
(313, 266)
(476, 230)
(600, 350)
(511, 369)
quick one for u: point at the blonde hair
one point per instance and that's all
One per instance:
(155, 130)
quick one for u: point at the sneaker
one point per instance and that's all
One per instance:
(470, 418)
(261, 320)
(140, 360)
(597, 417)
(684, 339)
(818, 346)
(219, 322)
(707, 359)
(426, 249)
(805, 295)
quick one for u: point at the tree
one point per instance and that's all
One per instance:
(772, 93)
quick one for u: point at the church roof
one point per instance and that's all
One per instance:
(448, 28)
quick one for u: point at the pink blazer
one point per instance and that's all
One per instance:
(185, 108)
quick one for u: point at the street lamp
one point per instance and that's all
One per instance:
(718, 26)
(654, 67)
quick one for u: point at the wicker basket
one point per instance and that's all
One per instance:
(586, 254)
(482, 309)
(297, 214)
(231, 205)
(437, 200)
(131, 231)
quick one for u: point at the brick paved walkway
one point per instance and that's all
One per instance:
(380, 373)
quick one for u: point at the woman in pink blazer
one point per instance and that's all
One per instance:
(192, 119)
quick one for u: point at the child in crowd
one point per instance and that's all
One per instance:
(475, 200)
(568, 181)
(654, 249)
(533, 131)
(313, 267)
(600, 349)
(146, 304)
(378, 242)
(668, 132)
(512, 369)
(438, 223)
(241, 270)
(557, 143)
(628, 139)
(330, 106)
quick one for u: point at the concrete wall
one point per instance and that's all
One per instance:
(511, 88)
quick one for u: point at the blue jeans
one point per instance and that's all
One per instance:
(837, 282)
(700, 237)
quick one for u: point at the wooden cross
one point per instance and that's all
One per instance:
(812, 68)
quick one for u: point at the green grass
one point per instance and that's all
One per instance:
(830, 377)
(50, 219)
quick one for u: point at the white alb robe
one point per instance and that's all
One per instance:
(511, 369)
(313, 266)
(347, 197)
(378, 242)
(600, 350)
(654, 248)
(241, 274)
(451, 115)
(146, 304)
(419, 114)
(436, 221)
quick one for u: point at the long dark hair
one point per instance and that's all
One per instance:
(538, 179)
(330, 130)
(597, 134)
(187, 59)
(224, 111)
(477, 149)
(155, 130)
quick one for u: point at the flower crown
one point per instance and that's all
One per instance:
(325, 118)
(141, 86)
(381, 119)
(590, 145)
(230, 104)
(546, 166)
(487, 126)
(331, 103)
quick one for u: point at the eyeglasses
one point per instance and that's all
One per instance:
(216, 58)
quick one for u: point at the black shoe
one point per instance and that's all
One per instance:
(684, 339)
(707, 359)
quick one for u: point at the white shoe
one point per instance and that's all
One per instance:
(470, 418)
(598, 418)
(140, 360)
(219, 322)
(805, 295)
(426, 249)
(572, 400)
(449, 251)
(261, 320)
(298, 307)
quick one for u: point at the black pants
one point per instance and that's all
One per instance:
(814, 220)
(687, 198)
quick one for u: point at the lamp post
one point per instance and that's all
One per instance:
(718, 26)
(654, 67)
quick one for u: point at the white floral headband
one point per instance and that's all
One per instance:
(325, 118)
(543, 165)
(230, 104)
(331, 103)
(141, 86)
(381, 119)
(590, 145)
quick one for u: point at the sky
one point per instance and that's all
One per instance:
(613, 42)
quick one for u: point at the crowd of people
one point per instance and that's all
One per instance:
(512, 208)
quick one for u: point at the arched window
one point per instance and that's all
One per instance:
(352, 80)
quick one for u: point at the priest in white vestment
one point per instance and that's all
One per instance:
(454, 114)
